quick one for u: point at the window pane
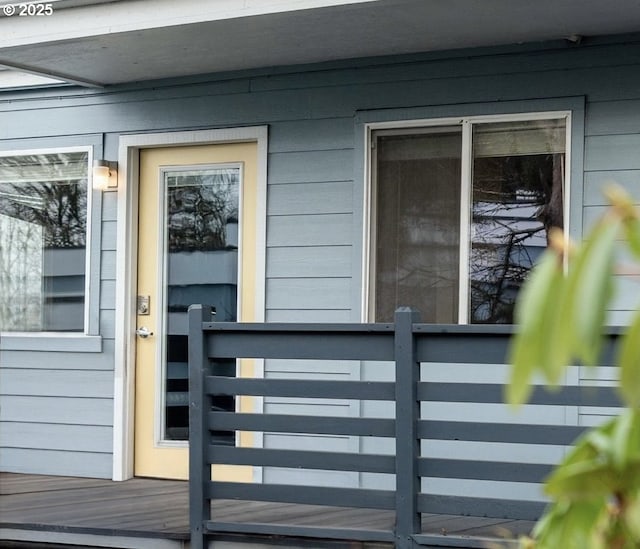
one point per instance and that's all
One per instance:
(518, 179)
(43, 225)
(418, 223)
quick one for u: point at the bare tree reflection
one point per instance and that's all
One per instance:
(516, 200)
(43, 208)
(200, 208)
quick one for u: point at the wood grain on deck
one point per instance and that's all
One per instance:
(159, 509)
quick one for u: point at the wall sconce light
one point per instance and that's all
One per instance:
(105, 175)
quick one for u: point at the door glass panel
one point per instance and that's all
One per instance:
(201, 251)
(518, 178)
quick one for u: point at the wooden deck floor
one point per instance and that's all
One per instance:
(147, 513)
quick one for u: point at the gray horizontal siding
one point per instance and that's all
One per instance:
(443, 65)
(109, 206)
(108, 259)
(458, 91)
(146, 110)
(108, 265)
(612, 141)
(309, 262)
(596, 181)
(49, 436)
(620, 318)
(87, 97)
(107, 294)
(310, 207)
(300, 369)
(613, 117)
(318, 370)
(311, 135)
(613, 137)
(311, 230)
(306, 315)
(315, 189)
(109, 235)
(627, 294)
(303, 406)
(309, 442)
(56, 462)
(56, 383)
(494, 451)
(310, 477)
(108, 324)
(308, 293)
(57, 408)
(592, 214)
(61, 410)
(612, 152)
(465, 412)
(142, 114)
(311, 166)
(311, 198)
(72, 361)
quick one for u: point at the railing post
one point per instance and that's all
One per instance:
(407, 415)
(199, 469)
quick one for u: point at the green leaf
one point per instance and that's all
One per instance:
(605, 461)
(626, 450)
(597, 486)
(591, 454)
(528, 346)
(583, 481)
(620, 437)
(571, 526)
(633, 439)
(556, 332)
(589, 288)
(619, 434)
(629, 361)
(530, 305)
(632, 517)
(632, 234)
(523, 358)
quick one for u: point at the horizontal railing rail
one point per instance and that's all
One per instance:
(401, 349)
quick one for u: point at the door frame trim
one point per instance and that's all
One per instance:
(126, 265)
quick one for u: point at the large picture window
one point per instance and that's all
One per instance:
(43, 239)
(461, 213)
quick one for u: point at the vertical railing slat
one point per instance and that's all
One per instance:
(407, 443)
(199, 470)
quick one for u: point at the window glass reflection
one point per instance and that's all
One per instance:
(516, 196)
(201, 267)
(518, 177)
(43, 225)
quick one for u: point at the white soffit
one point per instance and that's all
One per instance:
(11, 79)
(84, 18)
(95, 42)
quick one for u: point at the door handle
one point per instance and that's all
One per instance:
(144, 332)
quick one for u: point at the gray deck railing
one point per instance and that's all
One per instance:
(406, 344)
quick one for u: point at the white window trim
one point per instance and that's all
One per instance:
(466, 123)
(89, 340)
(126, 275)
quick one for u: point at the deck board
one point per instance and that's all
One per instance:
(155, 509)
